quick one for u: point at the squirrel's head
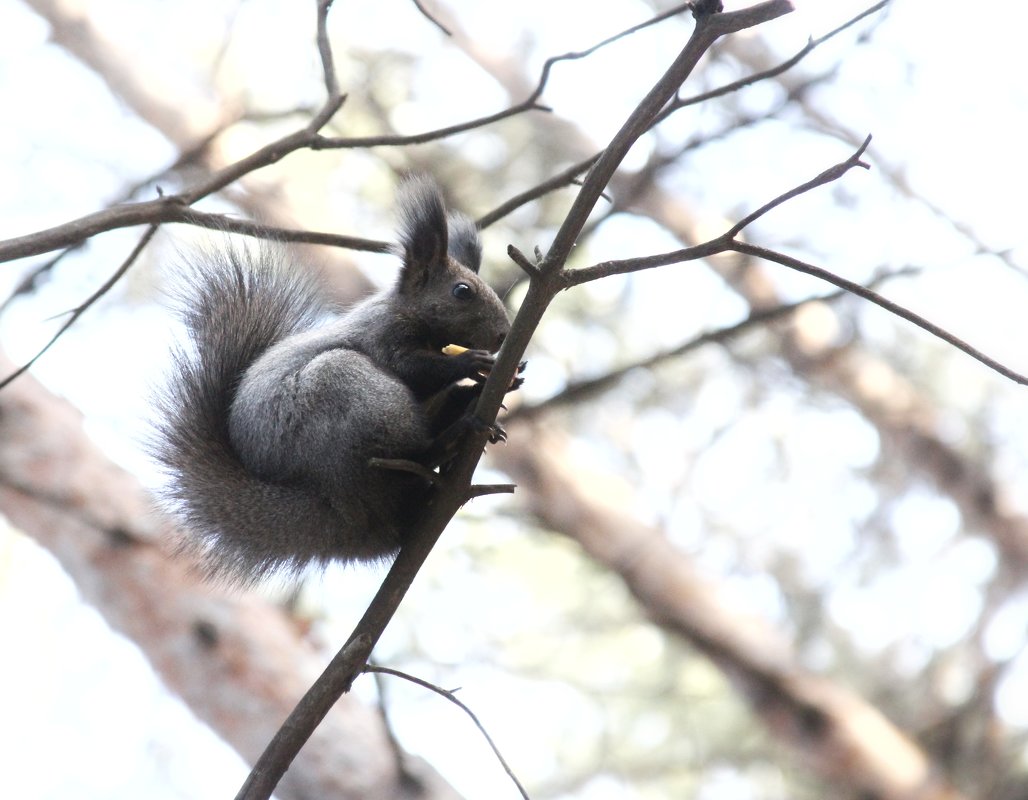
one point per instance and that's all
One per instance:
(439, 284)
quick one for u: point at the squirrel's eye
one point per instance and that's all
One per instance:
(462, 291)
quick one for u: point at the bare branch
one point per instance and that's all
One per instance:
(558, 181)
(708, 29)
(833, 173)
(452, 697)
(564, 178)
(230, 224)
(879, 300)
(325, 53)
(580, 390)
(576, 277)
(483, 489)
(720, 244)
(637, 184)
(86, 304)
(773, 72)
(519, 258)
(430, 18)
(172, 208)
(573, 56)
(728, 242)
(394, 140)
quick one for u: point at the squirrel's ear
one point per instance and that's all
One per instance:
(423, 231)
(465, 246)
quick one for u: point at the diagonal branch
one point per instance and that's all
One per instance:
(883, 302)
(577, 391)
(774, 71)
(709, 28)
(452, 490)
(559, 181)
(170, 208)
(728, 241)
(833, 173)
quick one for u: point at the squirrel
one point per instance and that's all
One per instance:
(289, 441)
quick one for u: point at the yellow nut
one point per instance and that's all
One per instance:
(454, 350)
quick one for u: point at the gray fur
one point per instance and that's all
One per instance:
(270, 419)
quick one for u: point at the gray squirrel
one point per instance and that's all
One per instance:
(281, 434)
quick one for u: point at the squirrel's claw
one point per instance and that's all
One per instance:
(496, 432)
(518, 380)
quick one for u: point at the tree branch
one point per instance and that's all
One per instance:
(773, 72)
(588, 388)
(833, 173)
(709, 28)
(452, 697)
(728, 241)
(882, 302)
(558, 181)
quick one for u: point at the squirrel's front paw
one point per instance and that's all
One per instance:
(496, 432)
(476, 364)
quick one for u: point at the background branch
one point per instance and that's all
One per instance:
(452, 697)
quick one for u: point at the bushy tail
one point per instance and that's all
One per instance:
(236, 303)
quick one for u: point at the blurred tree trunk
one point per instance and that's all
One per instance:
(239, 663)
(829, 728)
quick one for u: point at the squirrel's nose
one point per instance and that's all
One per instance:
(499, 341)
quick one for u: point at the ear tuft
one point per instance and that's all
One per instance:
(465, 246)
(423, 232)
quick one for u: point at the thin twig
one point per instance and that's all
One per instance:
(229, 224)
(773, 72)
(399, 756)
(833, 173)
(622, 266)
(720, 244)
(727, 242)
(452, 697)
(709, 28)
(558, 181)
(578, 390)
(398, 140)
(430, 18)
(575, 55)
(483, 489)
(519, 258)
(325, 53)
(172, 208)
(639, 182)
(883, 302)
(81, 309)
